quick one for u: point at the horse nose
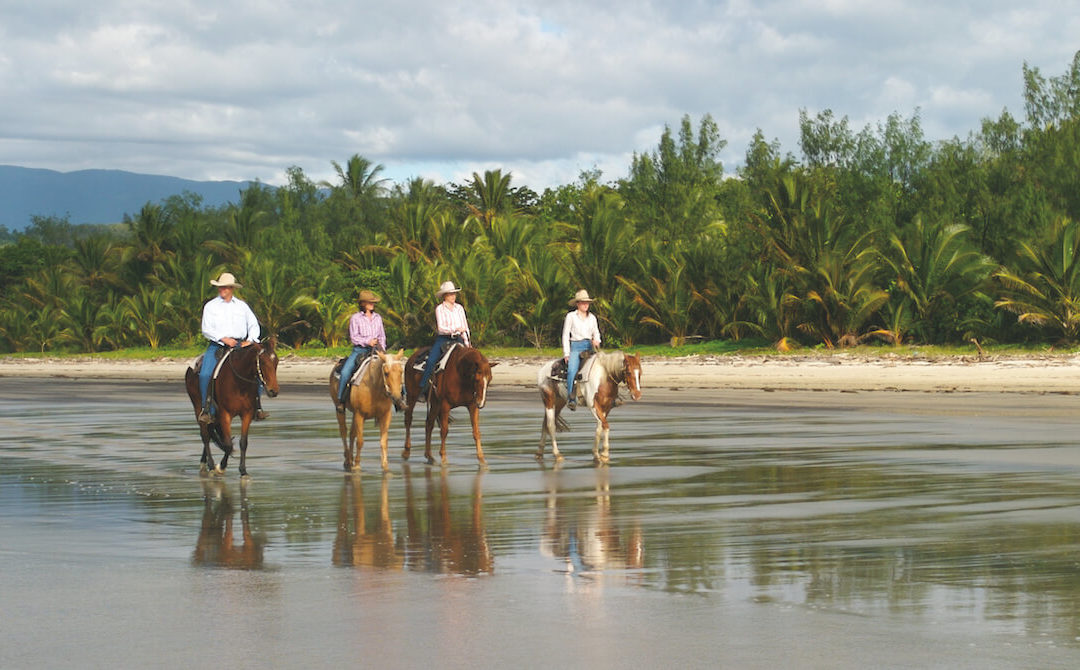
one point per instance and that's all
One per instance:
(272, 392)
(636, 395)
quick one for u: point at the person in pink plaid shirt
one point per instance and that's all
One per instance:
(367, 336)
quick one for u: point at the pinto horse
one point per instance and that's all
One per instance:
(463, 383)
(598, 390)
(235, 392)
(377, 393)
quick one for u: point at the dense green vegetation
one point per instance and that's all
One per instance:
(872, 236)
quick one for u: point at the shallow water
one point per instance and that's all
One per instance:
(757, 530)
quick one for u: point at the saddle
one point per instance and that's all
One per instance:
(559, 368)
(197, 364)
(358, 374)
(421, 361)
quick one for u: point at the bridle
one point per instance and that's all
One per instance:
(260, 378)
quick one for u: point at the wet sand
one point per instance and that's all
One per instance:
(751, 527)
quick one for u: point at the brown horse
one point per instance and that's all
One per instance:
(374, 396)
(216, 546)
(598, 390)
(235, 392)
(464, 383)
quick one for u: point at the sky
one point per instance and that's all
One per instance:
(544, 90)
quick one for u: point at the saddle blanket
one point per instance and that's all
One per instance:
(422, 361)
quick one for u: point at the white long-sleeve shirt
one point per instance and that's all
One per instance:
(451, 320)
(577, 328)
(233, 319)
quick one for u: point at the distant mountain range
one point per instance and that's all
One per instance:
(95, 196)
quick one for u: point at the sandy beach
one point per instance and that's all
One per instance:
(1059, 374)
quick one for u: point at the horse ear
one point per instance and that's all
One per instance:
(400, 352)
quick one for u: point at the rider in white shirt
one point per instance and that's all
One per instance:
(581, 332)
(227, 322)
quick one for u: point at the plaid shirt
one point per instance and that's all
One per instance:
(362, 329)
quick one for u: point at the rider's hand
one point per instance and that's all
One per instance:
(228, 341)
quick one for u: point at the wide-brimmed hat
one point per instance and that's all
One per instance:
(580, 296)
(226, 279)
(446, 287)
(367, 296)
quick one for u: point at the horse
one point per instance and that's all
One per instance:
(463, 383)
(216, 546)
(235, 392)
(598, 390)
(378, 392)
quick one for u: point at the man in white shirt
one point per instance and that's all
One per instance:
(227, 321)
(581, 332)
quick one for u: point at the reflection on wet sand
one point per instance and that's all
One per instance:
(216, 546)
(583, 533)
(441, 538)
(356, 544)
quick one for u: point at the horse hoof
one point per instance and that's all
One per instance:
(431, 461)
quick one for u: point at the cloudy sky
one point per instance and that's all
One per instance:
(227, 89)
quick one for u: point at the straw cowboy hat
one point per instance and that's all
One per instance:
(368, 296)
(447, 287)
(580, 296)
(226, 279)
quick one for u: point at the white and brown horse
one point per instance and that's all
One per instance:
(375, 395)
(597, 390)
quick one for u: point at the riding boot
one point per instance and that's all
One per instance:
(204, 415)
(260, 415)
(340, 405)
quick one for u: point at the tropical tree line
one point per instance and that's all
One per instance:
(876, 234)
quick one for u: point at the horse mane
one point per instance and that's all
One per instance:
(613, 363)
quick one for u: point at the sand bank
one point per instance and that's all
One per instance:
(836, 372)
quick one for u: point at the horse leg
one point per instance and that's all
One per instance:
(600, 410)
(357, 439)
(384, 437)
(429, 425)
(206, 462)
(343, 431)
(409, 405)
(225, 423)
(548, 427)
(474, 414)
(245, 423)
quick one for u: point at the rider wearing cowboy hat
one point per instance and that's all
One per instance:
(227, 322)
(580, 333)
(367, 335)
(451, 326)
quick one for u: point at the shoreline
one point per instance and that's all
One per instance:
(838, 372)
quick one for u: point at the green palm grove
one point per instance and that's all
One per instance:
(877, 235)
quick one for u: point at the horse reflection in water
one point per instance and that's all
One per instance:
(441, 539)
(437, 537)
(589, 542)
(216, 546)
(358, 544)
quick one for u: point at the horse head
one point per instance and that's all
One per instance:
(266, 365)
(476, 370)
(393, 376)
(632, 370)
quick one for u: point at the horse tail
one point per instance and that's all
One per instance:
(560, 424)
(214, 430)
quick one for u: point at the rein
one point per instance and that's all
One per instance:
(259, 378)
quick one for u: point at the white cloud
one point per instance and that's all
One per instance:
(245, 89)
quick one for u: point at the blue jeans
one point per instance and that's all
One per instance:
(573, 364)
(209, 362)
(437, 349)
(349, 367)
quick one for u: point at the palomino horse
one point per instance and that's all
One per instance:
(378, 392)
(463, 383)
(598, 390)
(235, 392)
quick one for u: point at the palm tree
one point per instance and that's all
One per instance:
(935, 267)
(359, 178)
(490, 196)
(150, 315)
(279, 299)
(667, 296)
(1046, 290)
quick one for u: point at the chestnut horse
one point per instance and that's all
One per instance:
(377, 393)
(235, 393)
(464, 383)
(598, 390)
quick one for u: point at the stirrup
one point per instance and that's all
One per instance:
(204, 417)
(339, 407)
(260, 415)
